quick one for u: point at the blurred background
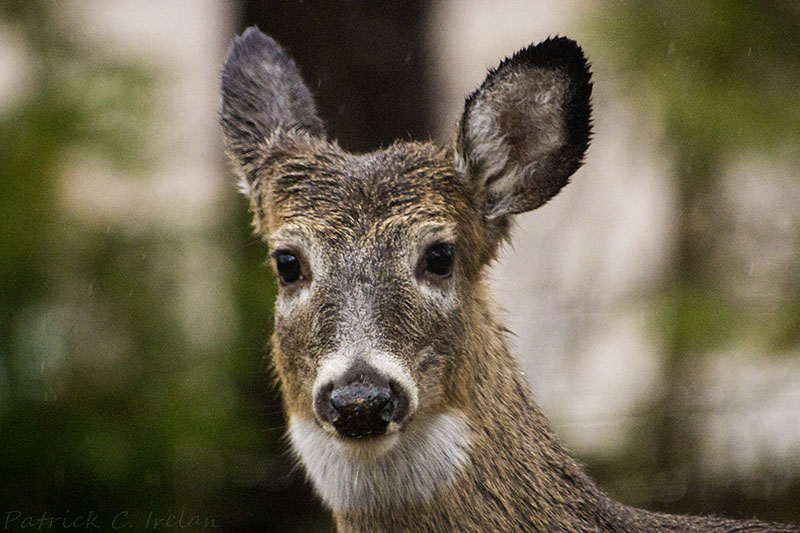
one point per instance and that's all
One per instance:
(655, 303)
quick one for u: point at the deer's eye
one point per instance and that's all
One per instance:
(439, 259)
(288, 266)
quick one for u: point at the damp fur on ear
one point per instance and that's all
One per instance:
(263, 98)
(525, 131)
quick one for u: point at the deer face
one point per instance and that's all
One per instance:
(375, 255)
(379, 256)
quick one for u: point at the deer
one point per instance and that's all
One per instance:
(404, 403)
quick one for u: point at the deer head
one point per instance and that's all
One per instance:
(382, 323)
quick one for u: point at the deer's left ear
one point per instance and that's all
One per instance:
(524, 132)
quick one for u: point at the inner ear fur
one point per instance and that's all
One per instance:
(525, 131)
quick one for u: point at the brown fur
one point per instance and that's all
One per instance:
(357, 225)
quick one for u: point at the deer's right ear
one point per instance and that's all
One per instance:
(525, 130)
(263, 99)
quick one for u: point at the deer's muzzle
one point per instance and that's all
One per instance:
(361, 403)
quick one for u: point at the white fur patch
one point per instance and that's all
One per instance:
(401, 468)
(285, 306)
(244, 186)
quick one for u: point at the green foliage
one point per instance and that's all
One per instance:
(697, 319)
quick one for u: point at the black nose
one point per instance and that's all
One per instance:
(362, 402)
(362, 410)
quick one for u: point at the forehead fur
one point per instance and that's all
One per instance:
(326, 189)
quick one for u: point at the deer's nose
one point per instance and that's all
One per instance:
(361, 403)
(362, 410)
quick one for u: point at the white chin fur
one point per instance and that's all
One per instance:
(400, 468)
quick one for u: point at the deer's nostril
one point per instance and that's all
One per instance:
(322, 404)
(389, 409)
